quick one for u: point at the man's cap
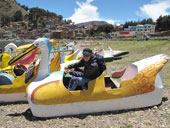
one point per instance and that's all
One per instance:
(87, 51)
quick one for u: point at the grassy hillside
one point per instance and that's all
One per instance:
(9, 7)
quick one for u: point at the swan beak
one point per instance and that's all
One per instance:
(20, 56)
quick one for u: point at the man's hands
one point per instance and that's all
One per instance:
(67, 70)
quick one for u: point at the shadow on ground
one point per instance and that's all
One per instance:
(29, 116)
(12, 103)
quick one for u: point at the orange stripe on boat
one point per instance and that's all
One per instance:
(32, 95)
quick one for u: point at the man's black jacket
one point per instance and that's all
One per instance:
(91, 68)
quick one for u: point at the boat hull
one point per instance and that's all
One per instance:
(138, 101)
(13, 97)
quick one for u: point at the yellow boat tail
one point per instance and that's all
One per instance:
(71, 56)
(55, 63)
(139, 85)
(4, 60)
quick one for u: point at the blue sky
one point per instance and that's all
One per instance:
(112, 11)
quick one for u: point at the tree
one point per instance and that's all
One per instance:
(36, 13)
(91, 32)
(25, 7)
(60, 17)
(18, 16)
(68, 21)
(108, 28)
(142, 22)
(130, 23)
(163, 23)
(105, 28)
(149, 21)
(5, 20)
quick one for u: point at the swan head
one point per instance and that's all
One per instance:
(43, 44)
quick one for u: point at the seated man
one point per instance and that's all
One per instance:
(91, 70)
(19, 69)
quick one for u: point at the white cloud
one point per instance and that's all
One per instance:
(155, 9)
(87, 12)
(113, 21)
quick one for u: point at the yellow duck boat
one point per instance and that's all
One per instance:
(140, 85)
(13, 85)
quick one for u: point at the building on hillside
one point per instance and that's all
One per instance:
(130, 28)
(114, 34)
(71, 34)
(92, 26)
(140, 28)
(58, 34)
(150, 28)
(147, 28)
(86, 30)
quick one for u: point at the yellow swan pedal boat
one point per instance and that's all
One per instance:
(139, 85)
(13, 83)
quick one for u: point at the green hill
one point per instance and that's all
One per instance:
(9, 7)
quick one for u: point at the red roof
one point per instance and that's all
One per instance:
(124, 32)
(126, 35)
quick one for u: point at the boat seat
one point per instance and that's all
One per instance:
(29, 74)
(6, 79)
(129, 73)
(19, 69)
